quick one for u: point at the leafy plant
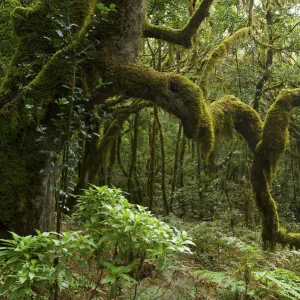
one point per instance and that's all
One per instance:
(27, 269)
(131, 230)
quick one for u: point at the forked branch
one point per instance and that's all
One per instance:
(182, 36)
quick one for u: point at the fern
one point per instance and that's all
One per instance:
(284, 283)
(225, 281)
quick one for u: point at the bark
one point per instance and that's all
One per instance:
(181, 177)
(112, 160)
(119, 159)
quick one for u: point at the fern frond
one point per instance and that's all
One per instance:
(285, 283)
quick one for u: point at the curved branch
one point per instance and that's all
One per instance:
(229, 112)
(182, 36)
(274, 139)
(174, 93)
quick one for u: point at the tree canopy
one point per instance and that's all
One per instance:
(67, 65)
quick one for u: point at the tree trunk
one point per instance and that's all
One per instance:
(163, 165)
(152, 163)
(27, 199)
(131, 187)
(175, 168)
(181, 178)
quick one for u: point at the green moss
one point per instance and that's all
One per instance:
(37, 35)
(219, 52)
(20, 185)
(174, 93)
(275, 134)
(229, 113)
(272, 145)
(291, 239)
(22, 190)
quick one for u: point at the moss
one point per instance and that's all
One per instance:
(229, 113)
(13, 180)
(182, 36)
(38, 39)
(22, 187)
(285, 238)
(272, 145)
(219, 52)
(6, 35)
(174, 93)
(21, 162)
(275, 134)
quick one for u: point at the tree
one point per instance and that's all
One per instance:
(63, 46)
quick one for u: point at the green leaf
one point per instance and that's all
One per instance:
(109, 279)
(126, 277)
(31, 275)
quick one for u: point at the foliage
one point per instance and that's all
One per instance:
(32, 266)
(130, 230)
(283, 283)
(27, 263)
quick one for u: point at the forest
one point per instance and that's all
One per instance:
(150, 149)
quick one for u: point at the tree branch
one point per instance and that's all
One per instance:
(182, 36)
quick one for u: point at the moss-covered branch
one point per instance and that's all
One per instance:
(219, 52)
(268, 142)
(275, 137)
(172, 92)
(182, 36)
(229, 113)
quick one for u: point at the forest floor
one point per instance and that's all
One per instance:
(225, 264)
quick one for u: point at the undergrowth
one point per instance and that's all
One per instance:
(225, 265)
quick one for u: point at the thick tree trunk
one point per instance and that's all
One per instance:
(27, 146)
(27, 199)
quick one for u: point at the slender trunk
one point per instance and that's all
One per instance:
(175, 168)
(163, 165)
(152, 142)
(181, 177)
(269, 62)
(119, 159)
(112, 160)
(131, 188)
(199, 172)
